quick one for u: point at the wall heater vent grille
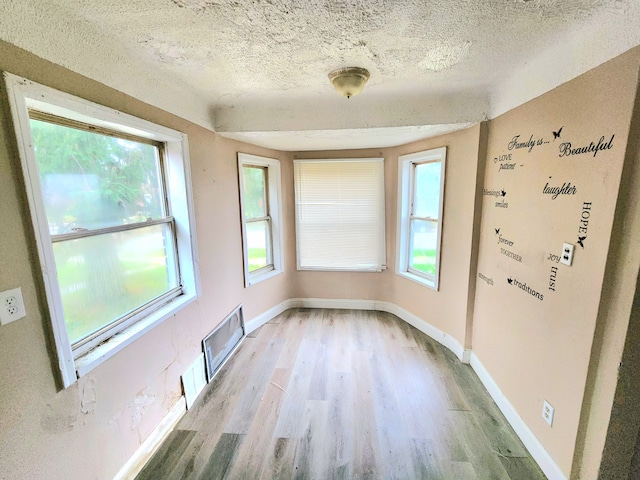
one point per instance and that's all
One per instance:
(221, 343)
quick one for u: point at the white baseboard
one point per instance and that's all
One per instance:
(142, 455)
(264, 317)
(438, 335)
(537, 451)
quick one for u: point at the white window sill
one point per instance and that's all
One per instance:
(262, 276)
(90, 360)
(426, 282)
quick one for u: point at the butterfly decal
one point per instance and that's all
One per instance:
(557, 134)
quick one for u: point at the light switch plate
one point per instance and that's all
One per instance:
(567, 254)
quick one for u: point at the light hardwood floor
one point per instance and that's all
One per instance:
(338, 394)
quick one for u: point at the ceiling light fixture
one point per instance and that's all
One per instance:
(349, 81)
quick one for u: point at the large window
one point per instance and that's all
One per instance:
(259, 180)
(420, 188)
(109, 200)
(340, 214)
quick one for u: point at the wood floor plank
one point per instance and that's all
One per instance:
(168, 462)
(222, 458)
(320, 374)
(521, 468)
(249, 400)
(340, 347)
(289, 422)
(425, 461)
(485, 460)
(312, 455)
(293, 331)
(251, 459)
(279, 459)
(340, 437)
(339, 394)
(366, 447)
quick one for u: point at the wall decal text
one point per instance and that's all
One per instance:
(511, 255)
(503, 240)
(506, 162)
(486, 279)
(502, 204)
(525, 287)
(502, 158)
(584, 223)
(554, 258)
(553, 278)
(494, 193)
(566, 149)
(529, 144)
(565, 189)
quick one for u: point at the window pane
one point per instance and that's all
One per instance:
(255, 192)
(423, 243)
(104, 277)
(90, 180)
(258, 245)
(427, 190)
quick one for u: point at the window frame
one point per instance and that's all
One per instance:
(25, 95)
(273, 215)
(406, 199)
(382, 250)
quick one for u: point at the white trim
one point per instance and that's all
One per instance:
(23, 94)
(194, 380)
(259, 320)
(145, 451)
(18, 90)
(438, 335)
(537, 451)
(274, 190)
(406, 190)
(108, 349)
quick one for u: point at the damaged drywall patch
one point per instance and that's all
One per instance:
(62, 412)
(89, 397)
(139, 404)
(195, 4)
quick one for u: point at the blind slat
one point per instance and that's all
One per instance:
(340, 214)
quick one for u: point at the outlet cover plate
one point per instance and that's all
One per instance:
(11, 306)
(567, 254)
(547, 413)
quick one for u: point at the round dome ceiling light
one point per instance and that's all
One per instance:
(349, 81)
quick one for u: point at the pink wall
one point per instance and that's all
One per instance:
(533, 349)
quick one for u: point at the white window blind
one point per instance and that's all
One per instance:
(340, 214)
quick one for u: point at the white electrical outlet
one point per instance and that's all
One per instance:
(567, 254)
(547, 413)
(11, 306)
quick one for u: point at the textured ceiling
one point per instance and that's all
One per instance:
(257, 69)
